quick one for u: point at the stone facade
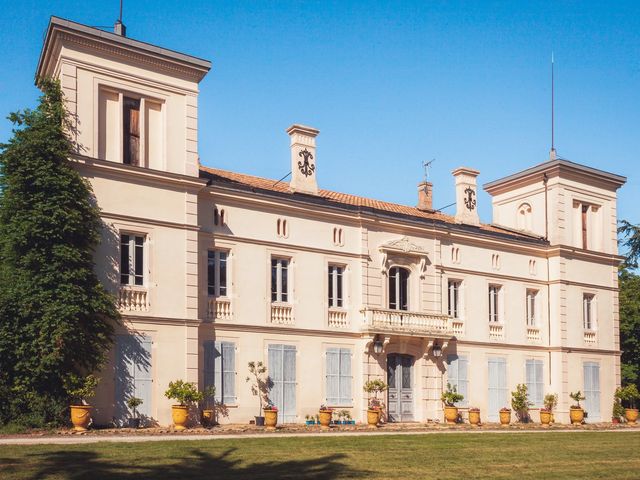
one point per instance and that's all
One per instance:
(214, 269)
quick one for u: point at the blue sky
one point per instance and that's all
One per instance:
(388, 84)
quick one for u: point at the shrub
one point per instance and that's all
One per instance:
(80, 388)
(550, 402)
(520, 403)
(185, 393)
(451, 396)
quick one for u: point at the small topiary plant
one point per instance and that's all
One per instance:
(133, 403)
(520, 403)
(550, 402)
(185, 393)
(80, 388)
(576, 397)
(451, 396)
(374, 386)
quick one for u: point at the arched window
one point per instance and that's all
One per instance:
(398, 288)
(524, 217)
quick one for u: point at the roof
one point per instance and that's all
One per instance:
(345, 200)
(558, 164)
(57, 23)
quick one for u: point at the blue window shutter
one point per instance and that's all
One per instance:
(217, 370)
(275, 368)
(228, 393)
(463, 379)
(498, 390)
(143, 378)
(345, 376)
(530, 380)
(452, 371)
(333, 376)
(539, 399)
(289, 376)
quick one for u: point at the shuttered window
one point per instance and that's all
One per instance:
(281, 368)
(534, 372)
(339, 377)
(458, 375)
(498, 389)
(591, 372)
(132, 375)
(220, 370)
(131, 133)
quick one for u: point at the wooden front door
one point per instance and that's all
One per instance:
(400, 393)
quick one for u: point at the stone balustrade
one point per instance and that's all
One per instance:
(281, 314)
(406, 322)
(218, 309)
(133, 299)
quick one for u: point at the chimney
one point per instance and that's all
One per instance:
(466, 195)
(303, 159)
(120, 29)
(425, 196)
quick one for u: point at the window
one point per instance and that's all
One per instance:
(455, 255)
(497, 386)
(282, 228)
(336, 274)
(495, 292)
(220, 370)
(131, 259)
(532, 267)
(338, 237)
(217, 273)
(588, 317)
(535, 382)
(339, 377)
(130, 129)
(584, 211)
(279, 280)
(495, 261)
(218, 217)
(398, 288)
(531, 308)
(457, 375)
(524, 217)
(591, 372)
(454, 298)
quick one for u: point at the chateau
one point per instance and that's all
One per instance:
(213, 269)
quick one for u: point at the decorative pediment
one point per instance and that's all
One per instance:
(404, 247)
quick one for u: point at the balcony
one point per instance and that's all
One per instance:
(457, 327)
(218, 309)
(496, 331)
(590, 337)
(533, 334)
(405, 322)
(133, 299)
(281, 314)
(338, 318)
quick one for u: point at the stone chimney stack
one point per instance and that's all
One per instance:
(425, 196)
(466, 195)
(303, 159)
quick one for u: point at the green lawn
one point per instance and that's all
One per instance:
(439, 456)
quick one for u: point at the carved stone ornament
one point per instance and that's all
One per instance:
(305, 167)
(469, 199)
(403, 246)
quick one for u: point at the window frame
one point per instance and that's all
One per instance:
(336, 277)
(536, 394)
(531, 307)
(216, 288)
(457, 298)
(495, 313)
(398, 288)
(280, 275)
(345, 400)
(132, 247)
(589, 320)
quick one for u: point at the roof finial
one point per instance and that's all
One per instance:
(552, 153)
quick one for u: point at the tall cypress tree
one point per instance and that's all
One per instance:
(56, 319)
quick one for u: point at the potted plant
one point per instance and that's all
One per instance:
(259, 386)
(309, 420)
(208, 416)
(133, 403)
(474, 416)
(546, 413)
(375, 405)
(520, 403)
(270, 416)
(505, 416)
(347, 418)
(450, 397)
(617, 412)
(630, 394)
(576, 413)
(325, 413)
(186, 394)
(79, 390)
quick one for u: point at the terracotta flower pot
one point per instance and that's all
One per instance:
(451, 414)
(576, 415)
(325, 418)
(80, 417)
(207, 418)
(180, 415)
(474, 417)
(505, 417)
(545, 417)
(373, 417)
(631, 414)
(270, 419)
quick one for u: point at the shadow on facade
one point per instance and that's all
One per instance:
(196, 463)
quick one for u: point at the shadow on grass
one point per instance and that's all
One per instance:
(81, 465)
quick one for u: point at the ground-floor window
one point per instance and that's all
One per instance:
(534, 371)
(457, 375)
(133, 375)
(220, 370)
(281, 367)
(592, 390)
(498, 387)
(338, 380)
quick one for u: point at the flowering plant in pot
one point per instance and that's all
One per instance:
(505, 416)
(546, 413)
(576, 412)
(133, 403)
(375, 406)
(450, 397)
(186, 394)
(208, 414)
(630, 394)
(520, 403)
(474, 416)
(79, 390)
(270, 416)
(260, 386)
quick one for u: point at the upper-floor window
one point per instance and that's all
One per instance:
(398, 288)
(588, 313)
(495, 292)
(217, 273)
(454, 298)
(584, 219)
(531, 308)
(130, 129)
(219, 217)
(524, 217)
(455, 255)
(336, 274)
(495, 261)
(131, 259)
(338, 237)
(279, 280)
(282, 228)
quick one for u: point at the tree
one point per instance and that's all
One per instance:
(629, 284)
(56, 319)
(630, 238)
